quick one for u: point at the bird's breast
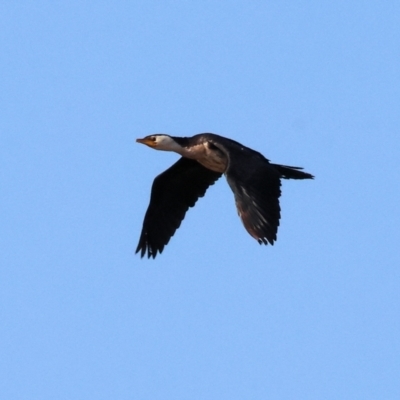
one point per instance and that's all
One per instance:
(208, 156)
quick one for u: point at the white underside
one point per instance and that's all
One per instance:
(208, 158)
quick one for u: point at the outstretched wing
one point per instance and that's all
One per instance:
(172, 193)
(256, 187)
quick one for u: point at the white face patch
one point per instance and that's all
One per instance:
(165, 142)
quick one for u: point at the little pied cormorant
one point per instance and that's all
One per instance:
(255, 183)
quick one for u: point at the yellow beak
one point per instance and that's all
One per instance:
(147, 141)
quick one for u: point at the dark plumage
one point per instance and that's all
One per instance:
(254, 181)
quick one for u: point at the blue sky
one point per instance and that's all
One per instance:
(216, 316)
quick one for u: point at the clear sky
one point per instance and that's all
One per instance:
(216, 316)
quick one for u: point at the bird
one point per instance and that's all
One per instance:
(254, 180)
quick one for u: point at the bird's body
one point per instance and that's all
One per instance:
(254, 181)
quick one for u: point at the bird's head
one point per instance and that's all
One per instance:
(160, 142)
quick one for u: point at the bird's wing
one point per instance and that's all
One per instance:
(256, 187)
(172, 193)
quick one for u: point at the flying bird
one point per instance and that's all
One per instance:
(255, 183)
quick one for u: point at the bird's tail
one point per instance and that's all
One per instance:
(288, 172)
